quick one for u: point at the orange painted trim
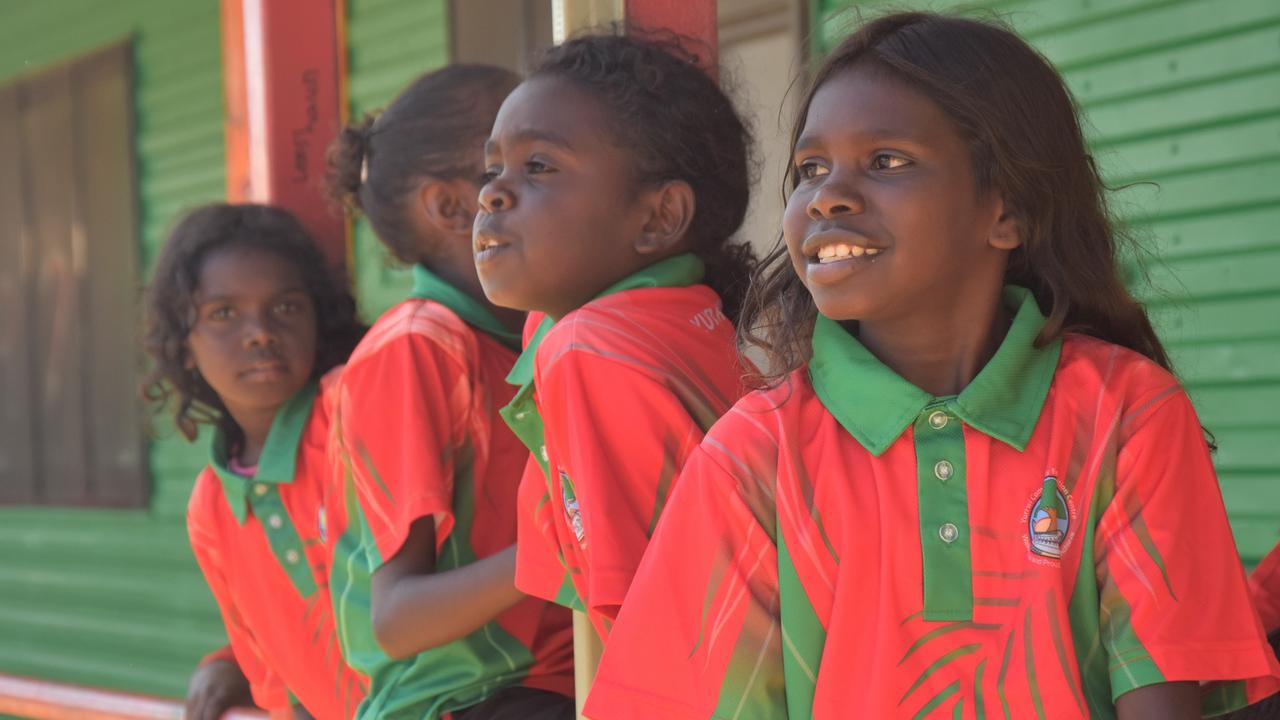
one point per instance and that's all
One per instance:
(48, 700)
(235, 120)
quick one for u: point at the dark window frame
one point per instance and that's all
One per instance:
(71, 423)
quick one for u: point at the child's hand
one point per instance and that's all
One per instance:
(216, 687)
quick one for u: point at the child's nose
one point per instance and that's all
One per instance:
(495, 198)
(258, 331)
(835, 197)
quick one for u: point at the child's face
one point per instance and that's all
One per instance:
(254, 338)
(886, 221)
(559, 214)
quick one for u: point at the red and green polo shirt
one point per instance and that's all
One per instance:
(261, 544)
(417, 434)
(614, 397)
(1034, 547)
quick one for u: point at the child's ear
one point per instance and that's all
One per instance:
(448, 205)
(1006, 233)
(670, 210)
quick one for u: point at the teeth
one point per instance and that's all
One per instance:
(842, 251)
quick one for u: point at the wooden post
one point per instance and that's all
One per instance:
(282, 73)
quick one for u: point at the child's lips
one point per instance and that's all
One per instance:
(266, 370)
(488, 244)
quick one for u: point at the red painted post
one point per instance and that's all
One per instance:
(283, 87)
(692, 18)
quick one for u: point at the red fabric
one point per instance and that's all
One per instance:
(626, 387)
(1149, 583)
(418, 401)
(282, 641)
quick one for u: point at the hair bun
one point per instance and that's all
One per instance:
(348, 163)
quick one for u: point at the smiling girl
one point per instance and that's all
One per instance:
(971, 488)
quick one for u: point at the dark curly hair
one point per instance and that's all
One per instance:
(171, 310)
(1025, 143)
(678, 125)
(435, 127)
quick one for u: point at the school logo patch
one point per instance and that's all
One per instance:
(1048, 521)
(572, 513)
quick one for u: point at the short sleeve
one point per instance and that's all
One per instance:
(540, 568)
(268, 688)
(616, 438)
(1174, 603)
(400, 418)
(699, 636)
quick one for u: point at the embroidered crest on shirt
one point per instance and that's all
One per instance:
(323, 524)
(572, 513)
(1047, 521)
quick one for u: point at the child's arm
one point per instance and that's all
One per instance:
(1174, 607)
(415, 609)
(216, 686)
(409, 413)
(1165, 701)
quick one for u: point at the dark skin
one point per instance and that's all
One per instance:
(254, 342)
(254, 338)
(887, 198)
(414, 608)
(561, 217)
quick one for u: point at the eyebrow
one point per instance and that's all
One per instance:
(809, 141)
(226, 297)
(532, 135)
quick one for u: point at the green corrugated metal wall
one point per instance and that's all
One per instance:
(1187, 94)
(114, 599)
(108, 597)
(391, 42)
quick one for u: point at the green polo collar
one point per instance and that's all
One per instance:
(429, 286)
(876, 405)
(676, 271)
(279, 454)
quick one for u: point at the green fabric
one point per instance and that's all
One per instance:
(261, 493)
(438, 680)
(521, 414)
(803, 637)
(944, 503)
(429, 286)
(876, 405)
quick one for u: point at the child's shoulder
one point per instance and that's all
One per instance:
(413, 322)
(1089, 365)
(748, 437)
(1101, 378)
(646, 326)
(206, 498)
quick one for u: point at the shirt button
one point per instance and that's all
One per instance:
(943, 470)
(275, 521)
(260, 489)
(938, 420)
(543, 452)
(291, 557)
(948, 532)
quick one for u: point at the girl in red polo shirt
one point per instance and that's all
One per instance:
(615, 176)
(423, 580)
(244, 318)
(971, 487)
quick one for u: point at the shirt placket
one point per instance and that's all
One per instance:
(944, 514)
(282, 536)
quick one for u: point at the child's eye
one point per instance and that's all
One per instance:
(288, 307)
(537, 167)
(885, 161)
(811, 169)
(221, 313)
(490, 174)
